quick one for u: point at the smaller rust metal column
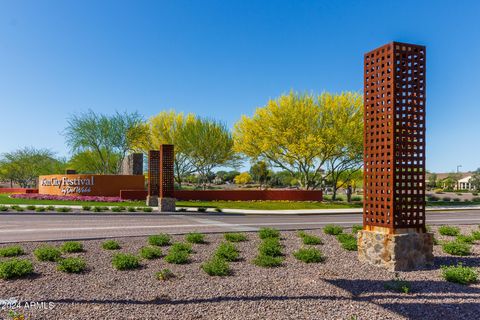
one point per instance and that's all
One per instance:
(153, 177)
(166, 201)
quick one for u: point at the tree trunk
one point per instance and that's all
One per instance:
(334, 194)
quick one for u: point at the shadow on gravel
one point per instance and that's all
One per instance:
(451, 260)
(433, 296)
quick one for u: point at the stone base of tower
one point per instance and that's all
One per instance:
(166, 204)
(152, 201)
(396, 252)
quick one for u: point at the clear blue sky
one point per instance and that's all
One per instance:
(222, 59)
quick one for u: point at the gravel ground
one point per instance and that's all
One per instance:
(339, 288)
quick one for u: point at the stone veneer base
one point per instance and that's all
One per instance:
(166, 204)
(396, 252)
(152, 201)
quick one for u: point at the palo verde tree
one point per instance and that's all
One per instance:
(165, 128)
(106, 138)
(208, 144)
(347, 160)
(23, 166)
(297, 133)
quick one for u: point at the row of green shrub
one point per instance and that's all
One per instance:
(34, 208)
(347, 241)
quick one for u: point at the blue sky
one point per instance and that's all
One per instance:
(222, 59)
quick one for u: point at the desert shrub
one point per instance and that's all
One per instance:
(63, 209)
(459, 274)
(150, 253)
(111, 245)
(18, 208)
(125, 261)
(356, 198)
(227, 251)
(40, 209)
(177, 256)
(4, 208)
(265, 261)
(195, 237)
(116, 209)
(50, 208)
(201, 209)
(475, 235)
(160, 240)
(332, 229)
(216, 266)
(31, 207)
(72, 265)
(464, 238)
(309, 255)
(433, 198)
(86, 208)
(235, 237)
(399, 285)
(15, 268)
(270, 247)
(131, 209)
(122, 208)
(181, 210)
(265, 233)
(309, 239)
(218, 210)
(356, 228)
(47, 253)
(181, 246)
(164, 274)
(438, 191)
(348, 241)
(476, 199)
(147, 209)
(446, 199)
(12, 251)
(97, 209)
(72, 246)
(457, 248)
(449, 231)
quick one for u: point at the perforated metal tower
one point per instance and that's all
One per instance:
(394, 138)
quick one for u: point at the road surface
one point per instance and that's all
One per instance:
(16, 227)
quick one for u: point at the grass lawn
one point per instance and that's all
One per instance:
(268, 205)
(253, 205)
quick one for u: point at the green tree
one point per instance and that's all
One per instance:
(260, 172)
(107, 138)
(23, 166)
(88, 162)
(298, 133)
(432, 180)
(166, 128)
(475, 180)
(208, 144)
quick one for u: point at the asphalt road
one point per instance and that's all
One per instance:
(16, 227)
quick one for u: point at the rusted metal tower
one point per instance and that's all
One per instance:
(394, 155)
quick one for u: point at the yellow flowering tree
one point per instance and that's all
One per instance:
(166, 128)
(298, 133)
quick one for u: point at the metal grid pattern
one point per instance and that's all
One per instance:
(153, 173)
(394, 137)
(167, 159)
